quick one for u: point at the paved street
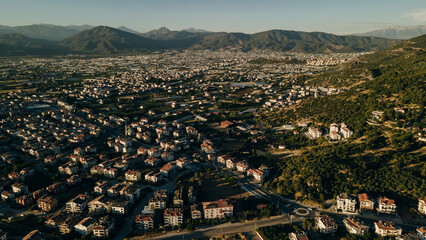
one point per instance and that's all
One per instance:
(227, 228)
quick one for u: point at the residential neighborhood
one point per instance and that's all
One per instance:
(171, 143)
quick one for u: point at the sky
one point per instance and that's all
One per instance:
(249, 16)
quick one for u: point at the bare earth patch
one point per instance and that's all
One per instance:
(215, 189)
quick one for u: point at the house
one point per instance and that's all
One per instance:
(386, 205)
(173, 216)
(222, 159)
(142, 151)
(104, 227)
(47, 203)
(408, 236)
(87, 163)
(366, 203)
(326, 224)
(182, 162)
(421, 233)
(167, 169)
(85, 226)
(196, 212)
(144, 222)
(38, 193)
(77, 204)
(167, 157)
(211, 157)
(153, 176)
(157, 203)
(387, 228)
(79, 151)
(91, 149)
(242, 166)
(218, 209)
(101, 187)
(68, 168)
(162, 193)
(100, 204)
(298, 236)
(98, 170)
(422, 206)
(207, 147)
(114, 191)
(153, 152)
(28, 171)
(334, 127)
(314, 132)
(178, 197)
(133, 175)
(56, 187)
(257, 174)
(131, 193)
(120, 207)
(6, 195)
(16, 176)
(68, 224)
(111, 173)
(346, 133)
(355, 226)
(335, 135)
(24, 200)
(56, 219)
(346, 203)
(19, 188)
(231, 163)
(74, 179)
(226, 124)
(33, 235)
(152, 161)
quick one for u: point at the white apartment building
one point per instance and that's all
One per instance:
(346, 203)
(218, 209)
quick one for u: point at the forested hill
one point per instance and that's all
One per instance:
(382, 159)
(390, 78)
(105, 40)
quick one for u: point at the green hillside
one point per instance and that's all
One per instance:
(390, 78)
(383, 158)
(107, 40)
(14, 44)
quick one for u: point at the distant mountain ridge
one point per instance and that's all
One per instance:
(45, 31)
(194, 30)
(126, 29)
(396, 32)
(14, 44)
(108, 40)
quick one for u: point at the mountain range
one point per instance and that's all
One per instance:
(45, 31)
(107, 40)
(396, 32)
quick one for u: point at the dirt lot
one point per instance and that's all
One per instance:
(214, 189)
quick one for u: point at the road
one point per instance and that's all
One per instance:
(226, 228)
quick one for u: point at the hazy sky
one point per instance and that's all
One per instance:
(334, 16)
